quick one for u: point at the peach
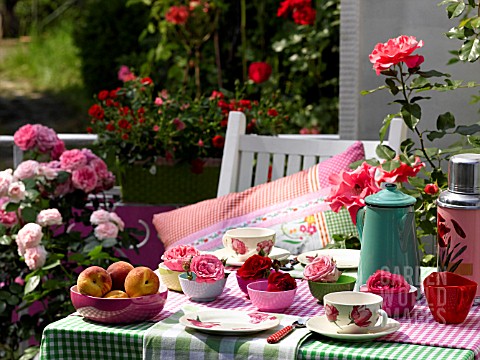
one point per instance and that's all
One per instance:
(118, 272)
(141, 281)
(116, 294)
(94, 281)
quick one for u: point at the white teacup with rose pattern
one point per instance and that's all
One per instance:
(245, 242)
(355, 312)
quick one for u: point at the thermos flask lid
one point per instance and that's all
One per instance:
(464, 174)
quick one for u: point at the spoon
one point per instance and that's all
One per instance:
(282, 333)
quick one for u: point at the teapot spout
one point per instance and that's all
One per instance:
(360, 221)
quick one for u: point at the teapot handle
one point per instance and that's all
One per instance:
(360, 221)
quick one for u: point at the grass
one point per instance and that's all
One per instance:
(50, 64)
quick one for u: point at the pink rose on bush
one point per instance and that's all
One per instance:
(26, 169)
(47, 172)
(238, 246)
(331, 312)
(73, 159)
(322, 269)
(46, 138)
(384, 281)
(395, 51)
(6, 178)
(117, 221)
(16, 191)
(361, 315)
(29, 236)
(208, 268)
(7, 218)
(175, 257)
(84, 179)
(57, 150)
(106, 230)
(26, 137)
(35, 257)
(49, 217)
(99, 217)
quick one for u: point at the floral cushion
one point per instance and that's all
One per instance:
(294, 206)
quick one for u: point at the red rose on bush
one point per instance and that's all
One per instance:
(259, 72)
(177, 15)
(279, 281)
(304, 16)
(255, 267)
(431, 189)
(218, 141)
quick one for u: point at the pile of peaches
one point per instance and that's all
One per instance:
(120, 280)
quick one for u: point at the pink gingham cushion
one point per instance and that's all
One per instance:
(292, 205)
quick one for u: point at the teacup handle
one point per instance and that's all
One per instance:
(225, 239)
(384, 316)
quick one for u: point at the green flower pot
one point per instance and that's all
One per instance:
(320, 289)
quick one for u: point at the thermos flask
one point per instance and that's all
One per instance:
(458, 219)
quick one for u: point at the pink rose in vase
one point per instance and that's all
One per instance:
(238, 246)
(207, 268)
(384, 281)
(322, 269)
(175, 257)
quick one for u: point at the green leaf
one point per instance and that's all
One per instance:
(417, 182)
(4, 295)
(95, 250)
(455, 9)
(29, 215)
(51, 266)
(32, 284)
(470, 50)
(15, 288)
(12, 207)
(474, 140)
(391, 165)
(108, 243)
(432, 135)
(446, 121)
(432, 73)
(468, 129)
(389, 72)
(419, 82)
(392, 86)
(411, 114)
(456, 33)
(385, 152)
(5, 240)
(13, 300)
(418, 98)
(3, 306)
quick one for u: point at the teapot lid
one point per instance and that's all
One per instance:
(390, 197)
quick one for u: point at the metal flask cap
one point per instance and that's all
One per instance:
(464, 174)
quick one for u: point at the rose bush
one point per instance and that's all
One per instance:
(385, 281)
(45, 233)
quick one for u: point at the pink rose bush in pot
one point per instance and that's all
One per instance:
(324, 277)
(43, 202)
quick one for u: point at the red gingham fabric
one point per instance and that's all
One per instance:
(175, 225)
(420, 328)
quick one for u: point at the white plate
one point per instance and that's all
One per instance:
(345, 258)
(276, 254)
(229, 322)
(321, 325)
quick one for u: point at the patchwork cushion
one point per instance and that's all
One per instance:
(294, 206)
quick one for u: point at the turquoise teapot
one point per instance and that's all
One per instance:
(386, 226)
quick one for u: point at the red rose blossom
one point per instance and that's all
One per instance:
(218, 141)
(304, 15)
(259, 72)
(103, 95)
(177, 15)
(431, 189)
(255, 267)
(278, 281)
(272, 112)
(96, 112)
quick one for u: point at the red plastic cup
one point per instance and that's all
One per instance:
(449, 296)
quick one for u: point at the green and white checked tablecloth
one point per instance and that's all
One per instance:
(77, 338)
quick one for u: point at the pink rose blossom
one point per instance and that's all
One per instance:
(106, 230)
(384, 281)
(238, 246)
(158, 101)
(109, 181)
(26, 137)
(351, 188)
(26, 170)
(84, 179)
(18, 280)
(124, 74)
(63, 188)
(175, 257)
(49, 217)
(208, 268)
(100, 216)
(6, 178)
(117, 221)
(89, 155)
(395, 51)
(57, 150)
(16, 191)
(47, 172)
(46, 138)
(73, 159)
(7, 218)
(179, 124)
(322, 269)
(35, 257)
(30, 235)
